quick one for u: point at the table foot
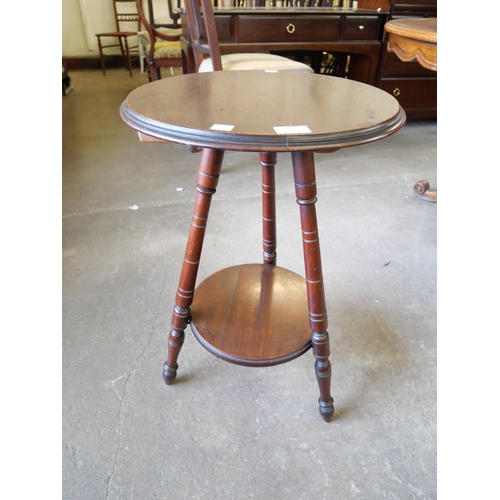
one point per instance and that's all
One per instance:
(326, 409)
(422, 190)
(169, 373)
(323, 369)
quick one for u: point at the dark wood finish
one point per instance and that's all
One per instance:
(204, 41)
(417, 86)
(305, 189)
(268, 162)
(119, 38)
(183, 110)
(208, 176)
(407, 90)
(356, 33)
(252, 315)
(159, 33)
(259, 314)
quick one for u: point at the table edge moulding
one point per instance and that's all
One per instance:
(259, 314)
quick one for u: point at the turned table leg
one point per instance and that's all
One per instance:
(268, 161)
(208, 177)
(305, 189)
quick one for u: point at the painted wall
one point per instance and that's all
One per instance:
(82, 19)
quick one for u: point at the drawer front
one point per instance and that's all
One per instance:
(412, 93)
(361, 28)
(223, 26)
(393, 67)
(288, 28)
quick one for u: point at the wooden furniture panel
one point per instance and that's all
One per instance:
(288, 29)
(412, 93)
(417, 85)
(362, 28)
(224, 31)
(357, 33)
(394, 67)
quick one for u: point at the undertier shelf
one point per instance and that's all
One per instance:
(253, 315)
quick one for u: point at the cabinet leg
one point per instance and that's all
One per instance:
(305, 190)
(208, 177)
(268, 161)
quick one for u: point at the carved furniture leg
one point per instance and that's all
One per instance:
(268, 161)
(422, 190)
(208, 177)
(305, 189)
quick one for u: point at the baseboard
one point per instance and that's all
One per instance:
(77, 63)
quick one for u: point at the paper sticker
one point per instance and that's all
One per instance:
(297, 129)
(270, 71)
(225, 128)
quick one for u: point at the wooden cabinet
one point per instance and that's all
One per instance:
(412, 85)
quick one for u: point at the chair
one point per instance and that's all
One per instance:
(206, 50)
(121, 17)
(161, 42)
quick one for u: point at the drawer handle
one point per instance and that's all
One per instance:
(290, 28)
(361, 27)
(396, 92)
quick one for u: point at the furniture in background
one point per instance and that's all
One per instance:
(67, 87)
(120, 37)
(413, 85)
(206, 51)
(354, 32)
(259, 314)
(161, 41)
(415, 39)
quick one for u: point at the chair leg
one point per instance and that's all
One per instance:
(152, 72)
(128, 61)
(101, 55)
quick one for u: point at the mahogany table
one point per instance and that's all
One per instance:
(415, 39)
(259, 314)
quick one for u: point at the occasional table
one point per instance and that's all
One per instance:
(415, 39)
(259, 314)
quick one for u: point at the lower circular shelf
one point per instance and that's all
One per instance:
(253, 315)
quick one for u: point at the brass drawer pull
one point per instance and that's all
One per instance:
(396, 92)
(361, 27)
(290, 28)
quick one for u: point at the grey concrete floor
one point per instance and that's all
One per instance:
(225, 431)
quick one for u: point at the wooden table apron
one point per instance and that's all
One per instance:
(268, 312)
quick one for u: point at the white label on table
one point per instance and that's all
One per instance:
(296, 129)
(270, 71)
(225, 128)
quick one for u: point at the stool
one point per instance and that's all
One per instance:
(259, 314)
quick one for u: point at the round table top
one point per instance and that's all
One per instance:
(262, 111)
(414, 39)
(424, 29)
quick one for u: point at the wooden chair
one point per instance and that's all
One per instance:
(162, 41)
(119, 38)
(206, 50)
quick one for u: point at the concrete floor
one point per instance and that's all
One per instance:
(225, 431)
